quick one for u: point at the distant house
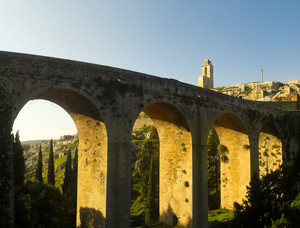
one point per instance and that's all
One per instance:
(66, 137)
(292, 81)
(61, 154)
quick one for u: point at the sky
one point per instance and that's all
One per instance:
(43, 125)
(166, 38)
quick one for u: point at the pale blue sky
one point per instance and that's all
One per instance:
(167, 38)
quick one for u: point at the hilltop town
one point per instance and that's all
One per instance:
(264, 91)
(257, 91)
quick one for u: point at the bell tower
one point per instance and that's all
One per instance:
(207, 78)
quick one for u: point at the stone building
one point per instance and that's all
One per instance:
(207, 78)
(66, 137)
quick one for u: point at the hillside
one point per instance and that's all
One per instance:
(264, 91)
(60, 149)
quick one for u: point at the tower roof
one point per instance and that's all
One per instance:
(206, 62)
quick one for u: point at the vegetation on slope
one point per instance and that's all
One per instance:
(38, 204)
(144, 206)
(219, 215)
(60, 157)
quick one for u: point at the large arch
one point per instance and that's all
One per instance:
(270, 149)
(92, 152)
(235, 167)
(175, 163)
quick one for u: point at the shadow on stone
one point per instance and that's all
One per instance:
(169, 217)
(90, 217)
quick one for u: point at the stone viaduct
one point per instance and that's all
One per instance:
(105, 102)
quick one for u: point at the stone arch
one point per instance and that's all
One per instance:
(92, 149)
(270, 148)
(235, 166)
(175, 163)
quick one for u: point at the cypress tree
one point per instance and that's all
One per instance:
(72, 191)
(213, 170)
(51, 177)
(74, 177)
(213, 160)
(39, 169)
(19, 161)
(68, 174)
(73, 182)
(75, 167)
(151, 210)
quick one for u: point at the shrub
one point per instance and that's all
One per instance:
(41, 205)
(268, 201)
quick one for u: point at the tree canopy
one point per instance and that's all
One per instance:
(39, 169)
(19, 161)
(51, 176)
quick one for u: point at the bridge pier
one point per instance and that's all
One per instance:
(254, 154)
(6, 174)
(6, 157)
(200, 175)
(92, 170)
(118, 196)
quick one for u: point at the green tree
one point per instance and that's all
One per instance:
(51, 176)
(266, 200)
(41, 205)
(73, 191)
(68, 174)
(19, 161)
(151, 210)
(213, 169)
(39, 169)
(141, 163)
(75, 166)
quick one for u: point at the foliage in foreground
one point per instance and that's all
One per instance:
(41, 205)
(269, 202)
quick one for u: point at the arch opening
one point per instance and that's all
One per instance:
(37, 130)
(234, 152)
(270, 149)
(174, 150)
(92, 153)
